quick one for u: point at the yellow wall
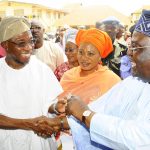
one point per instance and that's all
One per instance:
(45, 15)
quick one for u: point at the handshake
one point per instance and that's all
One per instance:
(70, 105)
(45, 127)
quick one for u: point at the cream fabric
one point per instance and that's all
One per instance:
(12, 26)
(51, 54)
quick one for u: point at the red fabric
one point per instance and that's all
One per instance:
(98, 38)
(2, 52)
(60, 70)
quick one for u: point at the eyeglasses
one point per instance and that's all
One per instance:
(23, 44)
(137, 48)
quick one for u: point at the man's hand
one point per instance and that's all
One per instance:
(60, 106)
(76, 107)
(44, 129)
(57, 124)
(53, 123)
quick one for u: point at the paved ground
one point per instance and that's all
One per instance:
(67, 142)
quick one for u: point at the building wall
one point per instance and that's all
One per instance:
(45, 15)
(136, 15)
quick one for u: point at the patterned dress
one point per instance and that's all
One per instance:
(60, 70)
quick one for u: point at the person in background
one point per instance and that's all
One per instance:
(28, 88)
(47, 51)
(71, 50)
(119, 119)
(60, 36)
(110, 25)
(90, 79)
(120, 33)
(126, 60)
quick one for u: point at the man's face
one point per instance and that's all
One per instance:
(19, 49)
(111, 30)
(141, 55)
(120, 33)
(37, 31)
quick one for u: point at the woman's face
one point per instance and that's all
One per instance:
(71, 51)
(88, 56)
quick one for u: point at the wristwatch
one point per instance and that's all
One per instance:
(85, 114)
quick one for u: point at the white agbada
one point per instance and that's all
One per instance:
(26, 93)
(122, 121)
(51, 54)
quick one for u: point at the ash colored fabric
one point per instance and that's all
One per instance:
(98, 38)
(90, 87)
(70, 35)
(26, 93)
(12, 26)
(51, 54)
(111, 18)
(143, 24)
(122, 120)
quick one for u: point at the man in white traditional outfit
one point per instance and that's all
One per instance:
(27, 89)
(46, 51)
(120, 119)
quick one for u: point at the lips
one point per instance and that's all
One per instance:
(26, 55)
(85, 64)
(35, 35)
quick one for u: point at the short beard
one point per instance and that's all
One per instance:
(21, 63)
(141, 77)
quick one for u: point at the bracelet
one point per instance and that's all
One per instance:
(54, 109)
(61, 124)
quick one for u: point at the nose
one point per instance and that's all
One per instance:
(84, 57)
(29, 47)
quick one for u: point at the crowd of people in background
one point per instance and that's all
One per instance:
(50, 48)
(89, 74)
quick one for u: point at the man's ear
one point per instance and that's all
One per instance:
(4, 45)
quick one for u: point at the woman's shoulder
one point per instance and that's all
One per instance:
(109, 73)
(73, 70)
